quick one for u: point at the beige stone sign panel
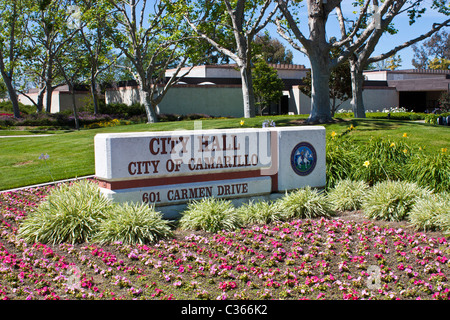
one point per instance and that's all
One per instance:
(167, 168)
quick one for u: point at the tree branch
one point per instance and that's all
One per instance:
(282, 4)
(220, 48)
(436, 27)
(282, 32)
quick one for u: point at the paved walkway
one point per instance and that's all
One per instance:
(27, 136)
(49, 183)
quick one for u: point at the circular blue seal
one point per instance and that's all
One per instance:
(303, 158)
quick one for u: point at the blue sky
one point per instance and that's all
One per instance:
(387, 42)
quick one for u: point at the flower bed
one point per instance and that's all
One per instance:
(317, 258)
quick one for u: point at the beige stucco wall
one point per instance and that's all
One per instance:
(65, 100)
(374, 99)
(127, 95)
(379, 99)
(60, 100)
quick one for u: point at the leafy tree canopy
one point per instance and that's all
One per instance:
(433, 53)
(267, 86)
(272, 50)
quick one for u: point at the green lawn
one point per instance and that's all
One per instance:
(71, 154)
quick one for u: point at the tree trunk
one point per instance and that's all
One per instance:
(48, 101)
(333, 106)
(94, 95)
(48, 84)
(357, 101)
(75, 112)
(319, 56)
(40, 100)
(320, 90)
(148, 105)
(247, 92)
(12, 96)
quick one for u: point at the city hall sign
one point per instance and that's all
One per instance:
(174, 167)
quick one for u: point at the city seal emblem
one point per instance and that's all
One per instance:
(303, 158)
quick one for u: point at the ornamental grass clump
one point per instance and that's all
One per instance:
(305, 203)
(347, 194)
(432, 213)
(261, 212)
(392, 200)
(71, 213)
(132, 223)
(211, 215)
(443, 220)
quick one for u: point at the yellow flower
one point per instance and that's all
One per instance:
(405, 151)
(242, 122)
(366, 163)
(443, 150)
(352, 127)
(333, 134)
(420, 148)
(392, 144)
(405, 135)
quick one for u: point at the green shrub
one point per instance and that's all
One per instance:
(71, 213)
(397, 115)
(261, 212)
(347, 194)
(339, 159)
(431, 213)
(382, 159)
(392, 200)
(122, 109)
(131, 224)
(431, 118)
(430, 170)
(210, 215)
(6, 106)
(305, 203)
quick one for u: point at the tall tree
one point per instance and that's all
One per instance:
(339, 83)
(382, 20)
(211, 19)
(317, 47)
(97, 47)
(13, 24)
(49, 33)
(152, 39)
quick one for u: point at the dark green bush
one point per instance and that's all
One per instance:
(339, 159)
(430, 170)
(381, 159)
(122, 110)
(6, 106)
